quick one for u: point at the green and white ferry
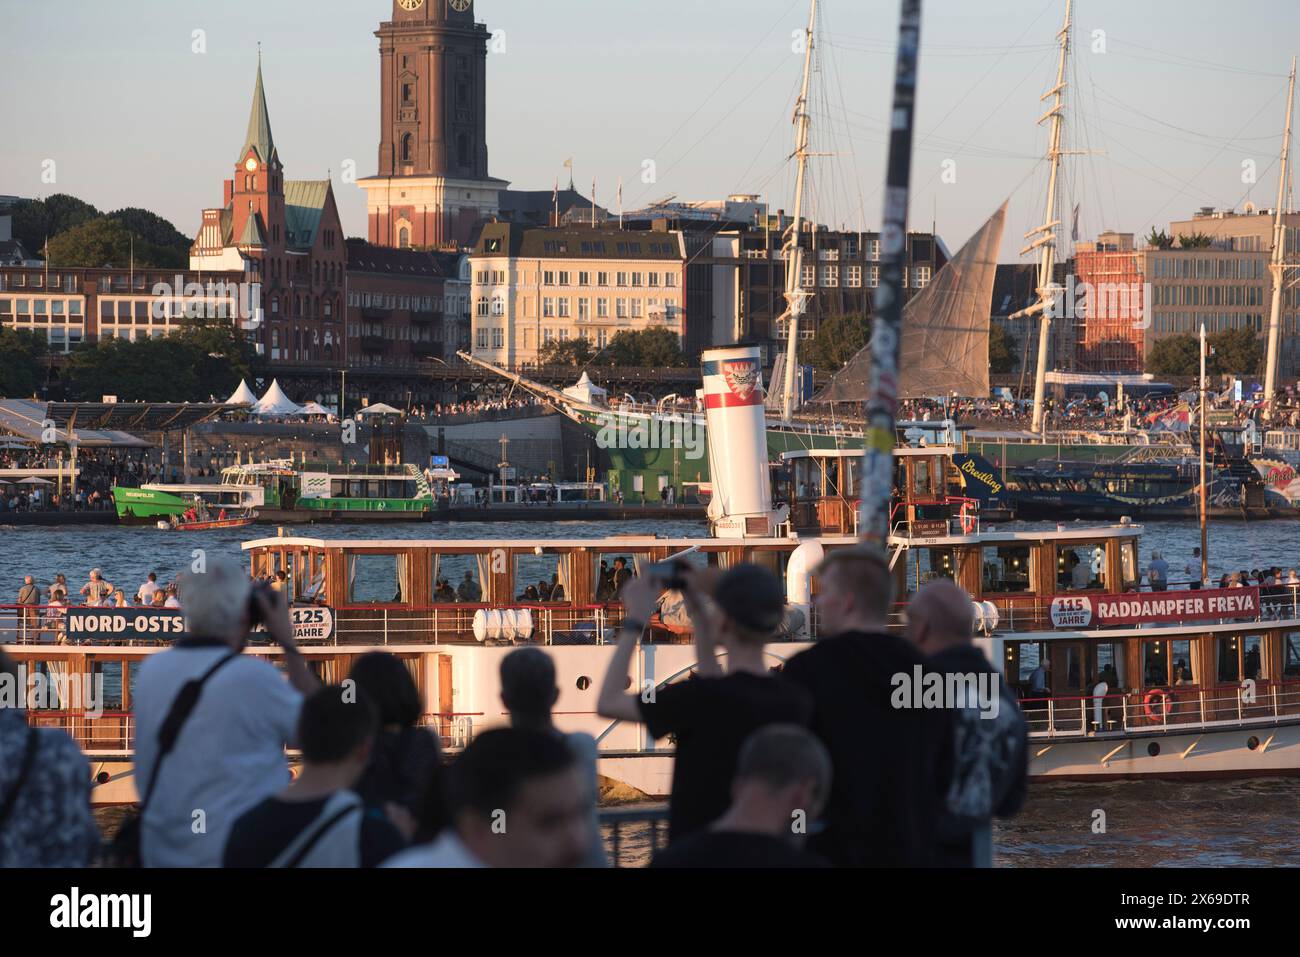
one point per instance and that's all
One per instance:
(281, 490)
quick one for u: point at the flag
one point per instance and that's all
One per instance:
(620, 196)
(555, 193)
(1074, 226)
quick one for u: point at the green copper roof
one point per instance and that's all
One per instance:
(252, 233)
(304, 202)
(259, 123)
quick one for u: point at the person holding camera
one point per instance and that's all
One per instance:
(712, 715)
(212, 723)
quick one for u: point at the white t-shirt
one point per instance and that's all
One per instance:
(147, 591)
(230, 754)
(445, 852)
(172, 602)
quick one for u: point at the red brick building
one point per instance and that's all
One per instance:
(432, 188)
(404, 308)
(285, 235)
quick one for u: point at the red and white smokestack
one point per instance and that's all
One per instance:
(741, 505)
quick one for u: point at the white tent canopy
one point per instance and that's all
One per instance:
(584, 390)
(243, 395)
(314, 408)
(275, 402)
(378, 409)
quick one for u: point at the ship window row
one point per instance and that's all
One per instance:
(1075, 667)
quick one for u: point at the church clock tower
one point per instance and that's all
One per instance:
(433, 186)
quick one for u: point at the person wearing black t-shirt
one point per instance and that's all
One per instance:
(988, 775)
(318, 821)
(889, 762)
(782, 778)
(711, 715)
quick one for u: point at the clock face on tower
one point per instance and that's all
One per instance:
(410, 4)
(251, 165)
(460, 6)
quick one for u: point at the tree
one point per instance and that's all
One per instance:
(838, 339)
(36, 220)
(152, 229)
(1178, 355)
(221, 355)
(23, 370)
(1236, 352)
(204, 359)
(106, 242)
(1196, 240)
(655, 348)
(150, 370)
(565, 352)
(1159, 240)
(1002, 354)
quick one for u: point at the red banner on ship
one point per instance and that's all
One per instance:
(1136, 608)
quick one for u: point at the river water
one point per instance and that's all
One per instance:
(1146, 823)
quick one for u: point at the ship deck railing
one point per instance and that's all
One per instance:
(363, 624)
(1163, 710)
(633, 835)
(396, 624)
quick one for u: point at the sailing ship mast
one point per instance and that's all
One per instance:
(1277, 265)
(1047, 288)
(795, 297)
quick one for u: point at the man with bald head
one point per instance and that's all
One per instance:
(887, 790)
(990, 747)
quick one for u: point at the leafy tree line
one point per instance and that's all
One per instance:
(81, 235)
(204, 359)
(24, 364)
(645, 348)
(1238, 352)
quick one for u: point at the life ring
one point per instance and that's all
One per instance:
(1163, 697)
(967, 518)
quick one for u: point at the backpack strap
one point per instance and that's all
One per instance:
(302, 845)
(180, 711)
(29, 758)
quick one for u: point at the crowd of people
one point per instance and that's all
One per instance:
(99, 471)
(815, 765)
(41, 610)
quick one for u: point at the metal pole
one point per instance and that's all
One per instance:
(882, 398)
(1205, 553)
(1276, 265)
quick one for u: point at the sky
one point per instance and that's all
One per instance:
(1174, 104)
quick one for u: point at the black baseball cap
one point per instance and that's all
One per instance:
(751, 596)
